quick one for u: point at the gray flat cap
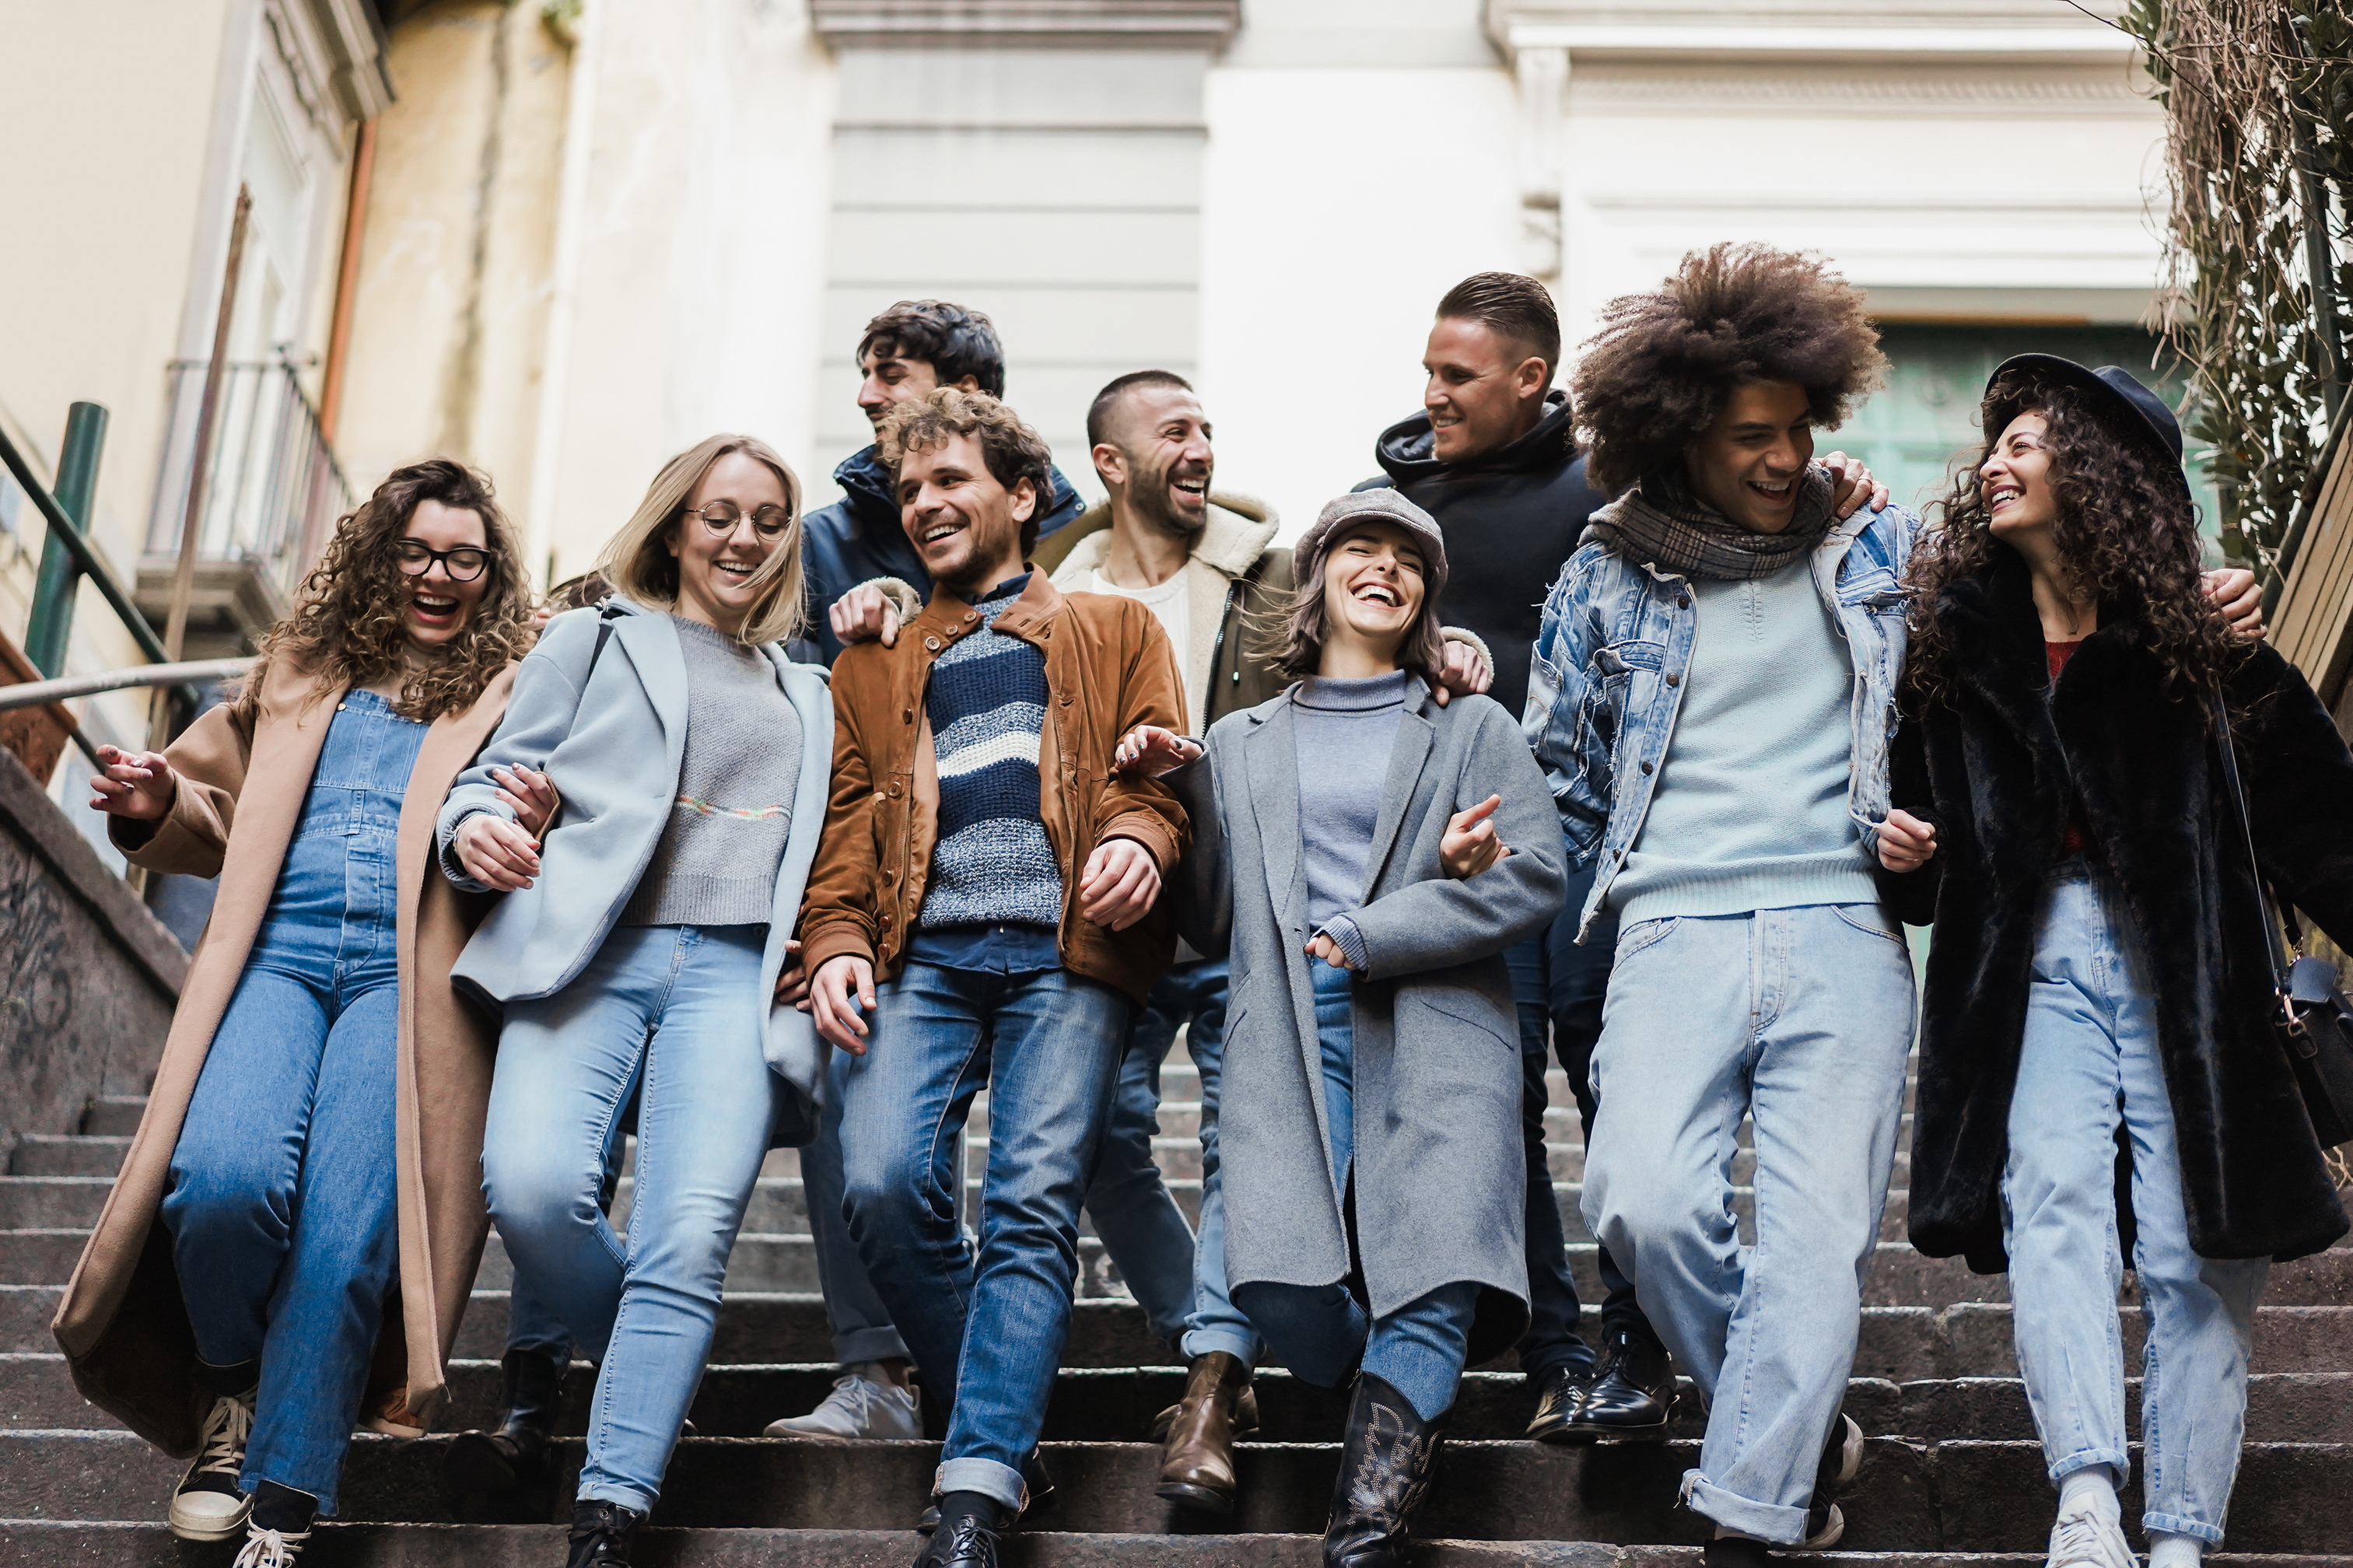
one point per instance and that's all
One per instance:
(1382, 505)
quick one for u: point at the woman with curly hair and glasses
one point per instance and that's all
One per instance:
(2065, 814)
(644, 946)
(311, 1145)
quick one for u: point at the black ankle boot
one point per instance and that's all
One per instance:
(516, 1454)
(601, 1533)
(1386, 1467)
(971, 1525)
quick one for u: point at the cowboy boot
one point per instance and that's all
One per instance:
(1386, 1467)
(516, 1454)
(1197, 1467)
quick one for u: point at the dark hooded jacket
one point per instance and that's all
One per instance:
(1996, 768)
(1511, 517)
(858, 538)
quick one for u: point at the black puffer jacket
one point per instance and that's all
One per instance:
(1997, 769)
(1510, 517)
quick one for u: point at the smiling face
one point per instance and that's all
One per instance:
(965, 525)
(436, 608)
(2014, 481)
(715, 571)
(1372, 589)
(1484, 390)
(1159, 454)
(1747, 463)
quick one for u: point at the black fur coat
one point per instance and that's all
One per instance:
(1995, 769)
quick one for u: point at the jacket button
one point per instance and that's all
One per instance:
(909, 715)
(933, 644)
(1682, 601)
(972, 615)
(894, 789)
(883, 919)
(1673, 679)
(1646, 767)
(1066, 700)
(887, 877)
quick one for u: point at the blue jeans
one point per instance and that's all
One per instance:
(676, 1011)
(1802, 1018)
(863, 1330)
(1140, 1223)
(1323, 1332)
(2091, 1042)
(1579, 974)
(532, 1322)
(989, 1326)
(282, 1200)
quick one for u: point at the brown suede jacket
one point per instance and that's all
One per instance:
(1108, 669)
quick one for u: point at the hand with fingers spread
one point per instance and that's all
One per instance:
(1120, 884)
(1852, 486)
(1906, 843)
(136, 784)
(843, 992)
(1462, 673)
(1469, 846)
(865, 614)
(532, 796)
(497, 852)
(1150, 750)
(793, 979)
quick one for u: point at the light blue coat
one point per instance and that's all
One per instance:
(609, 730)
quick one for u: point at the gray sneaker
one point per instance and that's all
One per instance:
(865, 1406)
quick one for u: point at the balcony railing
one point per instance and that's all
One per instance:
(272, 488)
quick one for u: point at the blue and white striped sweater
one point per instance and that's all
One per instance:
(987, 702)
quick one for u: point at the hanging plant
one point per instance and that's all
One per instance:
(2258, 96)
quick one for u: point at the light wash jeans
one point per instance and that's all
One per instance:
(532, 1322)
(282, 1199)
(988, 1326)
(1323, 1333)
(1802, 1017)
(863, 1330)
(2091, 1042)
(678, 1010)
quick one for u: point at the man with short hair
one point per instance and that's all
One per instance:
(909, 351)
(985, 863)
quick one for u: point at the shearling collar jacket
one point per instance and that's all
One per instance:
(1108, 669)
(1233, 579)
(1997, 768)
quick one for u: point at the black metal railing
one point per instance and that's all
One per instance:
(272, 484)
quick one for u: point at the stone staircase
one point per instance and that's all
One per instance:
(1953, 1475)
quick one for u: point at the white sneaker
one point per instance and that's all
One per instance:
(207, 1505)
(2084, 1540)
(271, 1549)
(864, 1404)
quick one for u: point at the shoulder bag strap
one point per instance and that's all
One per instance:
(2229, 754)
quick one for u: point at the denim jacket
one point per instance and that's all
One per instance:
(1607, 681)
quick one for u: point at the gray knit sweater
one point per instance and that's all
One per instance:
(1342, 732)
(716, 864)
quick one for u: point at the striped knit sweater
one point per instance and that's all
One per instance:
(987, 704)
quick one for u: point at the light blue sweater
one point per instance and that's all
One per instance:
(1750, 812)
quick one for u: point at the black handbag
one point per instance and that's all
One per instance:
(2314, 1022)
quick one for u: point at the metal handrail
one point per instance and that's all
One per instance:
(33, 693)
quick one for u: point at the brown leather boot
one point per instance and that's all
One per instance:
(1198, 1469)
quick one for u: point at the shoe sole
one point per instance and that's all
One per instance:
(1578, 1435)
(206, 1532)
(471, 1465)
(836, 1437)
(1184, 1494)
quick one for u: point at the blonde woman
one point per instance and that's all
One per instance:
(644, 936)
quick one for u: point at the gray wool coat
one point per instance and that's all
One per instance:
(1440, 1175)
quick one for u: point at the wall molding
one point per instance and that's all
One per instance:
(1992, 32)
(349, 36)
(1207, 25)
(2100, 92)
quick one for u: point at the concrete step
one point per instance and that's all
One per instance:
(1964, 1496)
(42, 1154)
(115, 1115)
(49, 1202)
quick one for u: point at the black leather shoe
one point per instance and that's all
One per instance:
(1735, 1551)
(970, 1530)
(1036, 1479)
(601, 1533)
(1842, 1461)
(1631, 1397)
(516, 1454)
(1563, 1390)
(1385, 1465)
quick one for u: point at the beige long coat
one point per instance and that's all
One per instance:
(123, 1324)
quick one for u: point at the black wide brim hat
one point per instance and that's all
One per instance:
(2134, 412)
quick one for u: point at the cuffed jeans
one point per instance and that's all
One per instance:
(1323, 1333)
(2090, 1046)
(1802, 1017)
(991, 1326)
(678, 1010)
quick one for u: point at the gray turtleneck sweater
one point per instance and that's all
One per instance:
(1343, 732)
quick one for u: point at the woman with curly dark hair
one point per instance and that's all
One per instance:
(311, 1145)
(2067, 819)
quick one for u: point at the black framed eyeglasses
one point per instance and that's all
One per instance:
(722, 516)
(463, 564)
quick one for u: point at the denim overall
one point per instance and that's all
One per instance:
(282, 1201)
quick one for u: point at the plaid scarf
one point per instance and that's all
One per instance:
(1661, 523)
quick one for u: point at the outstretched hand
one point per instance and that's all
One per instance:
(136, 784)
(1152, 751)
(1469, 846)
